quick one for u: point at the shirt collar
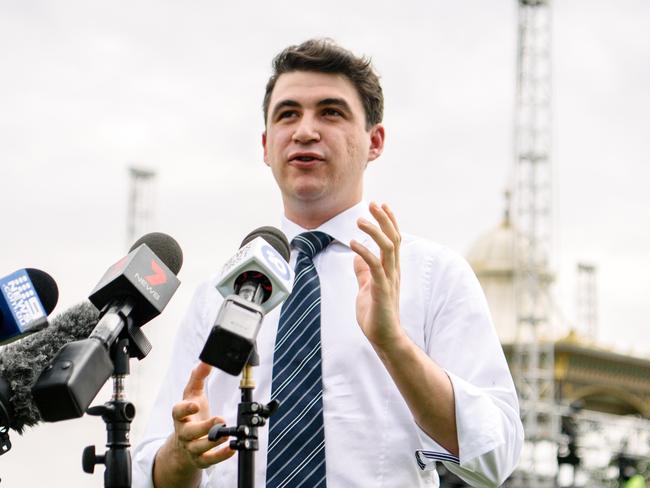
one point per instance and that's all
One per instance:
(342, 227)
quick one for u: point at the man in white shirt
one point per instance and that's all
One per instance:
(412, 370)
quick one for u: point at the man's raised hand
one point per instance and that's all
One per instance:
(188, 450)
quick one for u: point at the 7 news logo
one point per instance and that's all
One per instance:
(157, 278)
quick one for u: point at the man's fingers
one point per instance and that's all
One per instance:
(372, 261)
(391, 216)
(387, 224)
(361, 271)
(376, 233)
(198, 447)
(184, 409)
(386, 246)
(215, 456)
(191, 432)
(197, 380)
(196, 429)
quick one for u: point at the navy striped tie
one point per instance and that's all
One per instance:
(296, 452)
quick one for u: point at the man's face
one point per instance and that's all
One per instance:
(316, 141)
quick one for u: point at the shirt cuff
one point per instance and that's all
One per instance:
(143, 458)
(480, 425)
(479, 421)
(427, 459)
(142, 466)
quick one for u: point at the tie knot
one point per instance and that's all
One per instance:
(311, 243)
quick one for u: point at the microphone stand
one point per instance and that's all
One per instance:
(250, 416)
(118, 413)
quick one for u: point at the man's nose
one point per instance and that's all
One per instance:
(306, 130)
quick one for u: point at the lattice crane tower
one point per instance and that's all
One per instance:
(141, 203)
(140, 220)
(587, 294)
(533, 358)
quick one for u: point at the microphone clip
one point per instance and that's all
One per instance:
(139, 345)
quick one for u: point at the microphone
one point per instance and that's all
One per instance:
(22, 361)
(132, 292)
(138, 287)
(27, 297)
(254, 281)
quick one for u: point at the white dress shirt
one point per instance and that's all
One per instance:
(371, 439)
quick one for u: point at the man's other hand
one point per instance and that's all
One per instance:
(188, 450)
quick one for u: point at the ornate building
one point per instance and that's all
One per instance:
(605, 394)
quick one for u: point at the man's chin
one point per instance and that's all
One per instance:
(308, 192)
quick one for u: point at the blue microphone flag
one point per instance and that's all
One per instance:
(20, 306)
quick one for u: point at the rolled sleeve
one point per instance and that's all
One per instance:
(143, 458)
(461, 339)
(489, 438)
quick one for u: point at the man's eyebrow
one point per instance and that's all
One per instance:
(339, 102)
(283, 104)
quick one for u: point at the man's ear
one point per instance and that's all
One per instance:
(266, 154)
(377, 136)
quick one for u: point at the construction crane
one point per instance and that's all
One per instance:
(140, 219)
(141, 203)
(533, 351)
(587, 304)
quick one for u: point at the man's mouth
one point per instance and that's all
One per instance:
(305, 157)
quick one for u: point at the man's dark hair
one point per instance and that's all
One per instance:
(324, 56)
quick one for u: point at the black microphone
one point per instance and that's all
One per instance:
(132, 292)
(255, 280)
(27, 297)
(138, 287)
(22, 362)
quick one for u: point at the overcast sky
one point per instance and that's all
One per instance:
(87, 89)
